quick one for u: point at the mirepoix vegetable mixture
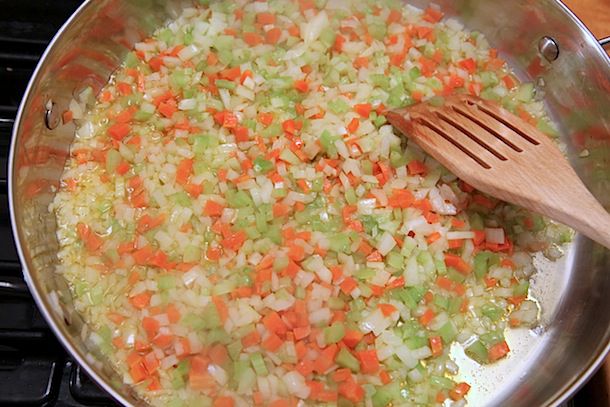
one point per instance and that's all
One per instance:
(240, 226)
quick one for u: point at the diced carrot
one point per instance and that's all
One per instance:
(163, 341)
(341, 375)
(394, 16)
(361, 62)
(213, 208)
(294, 31)
(274, 323)
(224, 401)
(452, 260)
(444, 283)
(218, 354)
(67, 116)
(265, 18)
(401, 198)
(348, 285)
(469, 65)
(339, 41)
(272, 343)
(301, 332)
(326, 359)
(436, 345)
(351, 391)
(138, 373)
(459, 391)
(369, 363)
(273, 36)
(431, 238)
(221, 307)
(251, 339)
(151, 363)
(433, 15)
(242, 134)
(301, 86)
(116, 317)
(280, 403)
(416, 167)
(387, 309)
(427, 317)
(173, 314)
(119, 131)
(142, 255)
(141, 301)
(184, 171)
(363, 109)
(230, 73)
(352, 338)
(167, 109)
(252, 38)
(234, 241)
(151, 326)
(92, 241)
(123, 168)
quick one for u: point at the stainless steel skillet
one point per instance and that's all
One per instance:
(542, 39)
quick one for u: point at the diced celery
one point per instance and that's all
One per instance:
(225, 84)
(336, 303)
(334, 333)
(340, 243)
(327, 36)
(258, 363)
(416, 342)
(289, 157)
(491, 338)
(238, 199)
(346, 359)
(181, 198)
(142, 115)
(395, 260)
(492, 312)
(441, 301)
(338, 106)
(447, 332)
(131, 60)
(397, 159)
(478, 352)
(481, 265)
(442, 382)
(262, 166)
(381, 80)
(191, 254)
(525, 92)
(202, 142)
(223, 42)
(234, 349)
(178, 79)
(521, 289)
(113, 159)
(166, 282)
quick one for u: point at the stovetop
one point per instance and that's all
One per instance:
(34, 368)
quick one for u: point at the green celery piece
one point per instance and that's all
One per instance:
(142, 116)
(386, 394)
(131, 60)
(239, 199)
(525, 92)
(258, 363)
(340, 243)
(191, 254)
(194, 322)
(416, 342)
(181, 198)
(338, 106)
(210, 317)
(478, 352)
(398, 159)
(223, 42)
(481, 266)
(166, 282)
(327, 36)
(441, 301)
(414, 73)
(394, 259)
(447, 332)
(491, 338)
(346, 359)
(113, 159)
(381, 80)
(442, 382)
(336, 303)
(521, 289)
(492, 312)
(455, 304)
(334, 333)
(262, 166)
(234, 349)
(225, 84)
(178, 79)
(203, 142)
(364, 274)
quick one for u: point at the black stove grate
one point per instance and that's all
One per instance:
(34, 368)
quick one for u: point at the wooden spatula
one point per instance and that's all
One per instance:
(506, 157)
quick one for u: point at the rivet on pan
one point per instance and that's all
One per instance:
(51, 115)
(548, 48)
